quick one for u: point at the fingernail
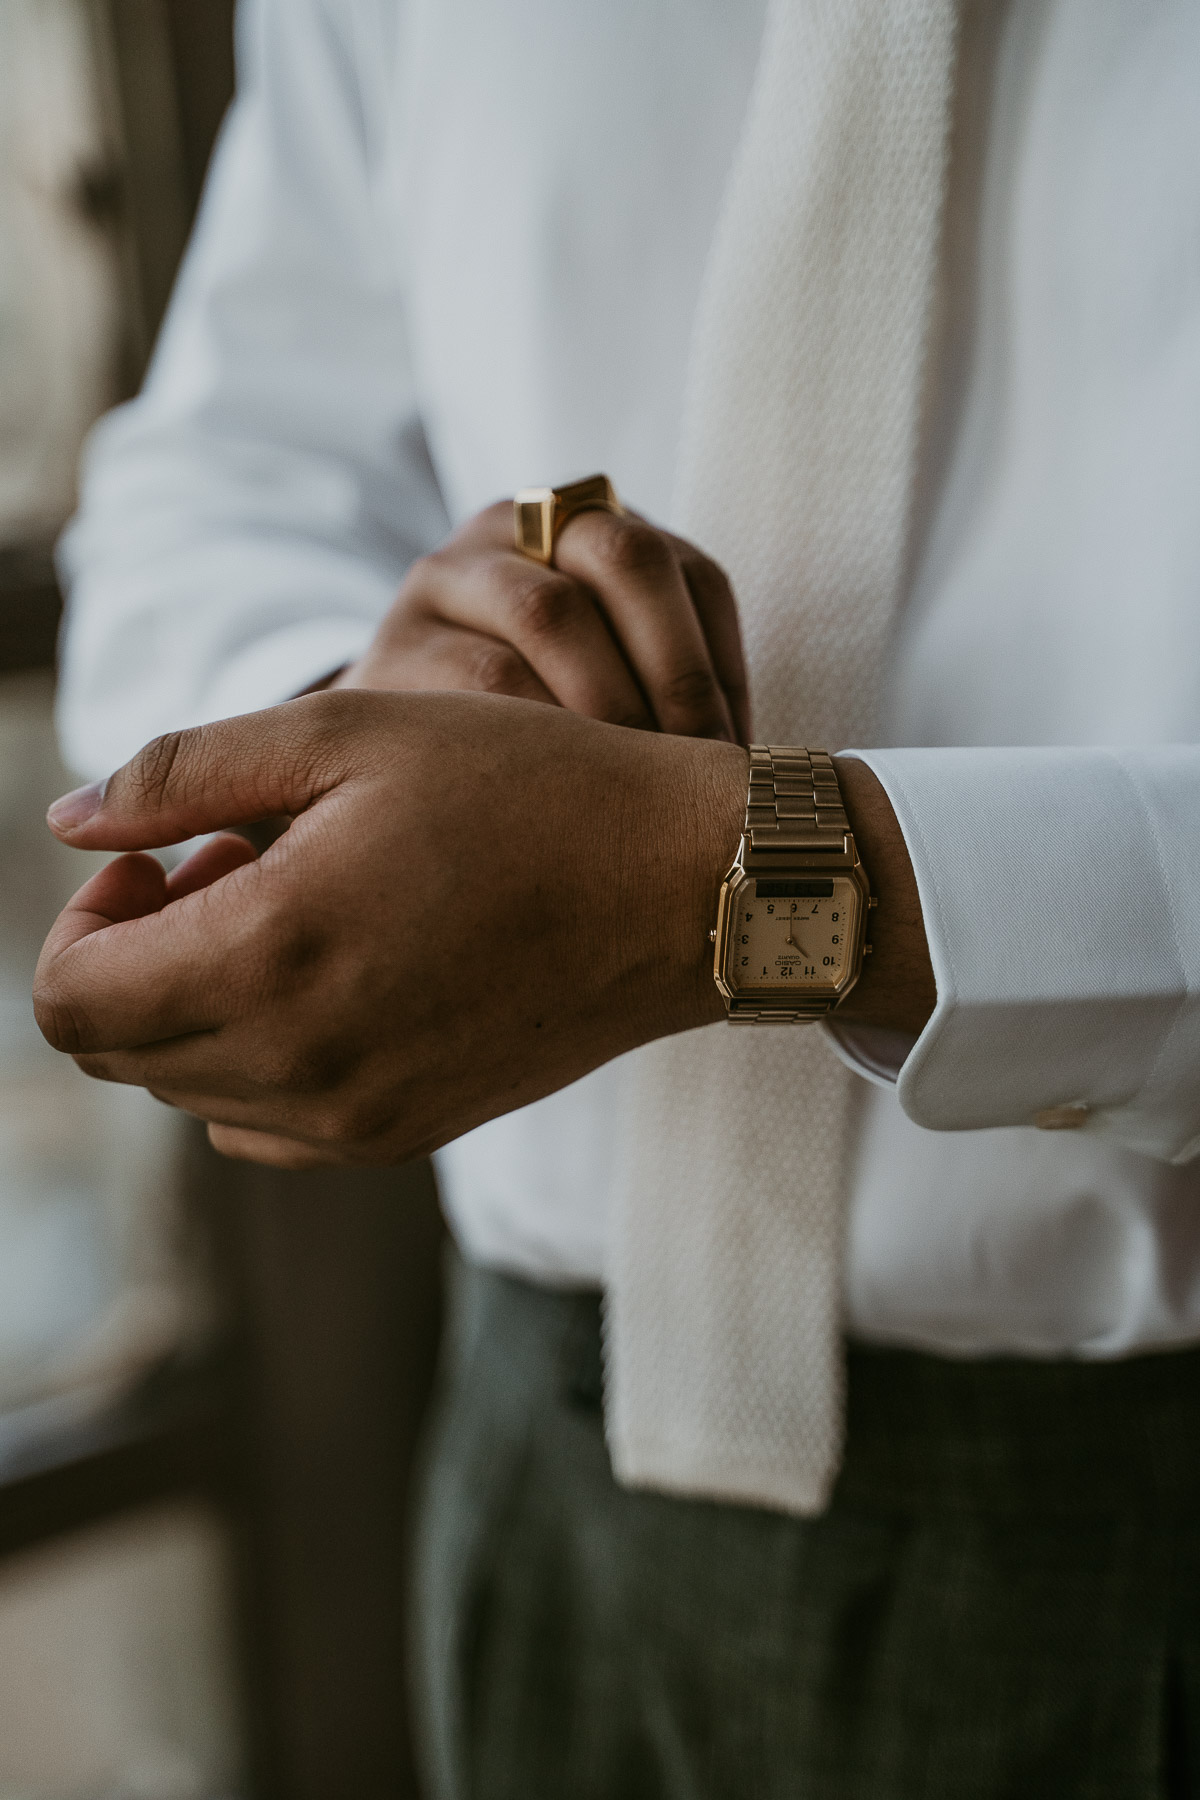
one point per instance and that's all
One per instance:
(75, 808)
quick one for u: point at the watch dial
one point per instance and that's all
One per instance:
(791, 933)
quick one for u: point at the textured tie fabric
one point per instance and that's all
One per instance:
(722, 1336)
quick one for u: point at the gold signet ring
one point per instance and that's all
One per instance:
(539, 513)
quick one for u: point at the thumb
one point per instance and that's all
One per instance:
(233, 772)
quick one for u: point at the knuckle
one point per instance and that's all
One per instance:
(279, 1067)
(179, 766)
(317, 746)
(270, 937)
(61, 1022)
(497, 669)
(306, 1067)
(692, 690)
(544, 605)
(286, 971)
(628, 547)
(421, 577)
(320, 719)
(350, 1118)
(702, 568)
(305, 1056)
(629, 718)
(148, 776)
(493, 524)
(273, 957)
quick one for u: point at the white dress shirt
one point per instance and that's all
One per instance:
(450, 248)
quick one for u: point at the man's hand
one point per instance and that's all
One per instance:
(631, 626)
(477, 901)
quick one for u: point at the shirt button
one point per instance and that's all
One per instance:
(1061, 1118)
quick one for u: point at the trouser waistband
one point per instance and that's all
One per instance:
(1007, 1436)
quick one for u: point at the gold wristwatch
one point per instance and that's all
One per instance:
(792, 925)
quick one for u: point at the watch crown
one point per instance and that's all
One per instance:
(872, 901)
(712, 936)
(868, 949)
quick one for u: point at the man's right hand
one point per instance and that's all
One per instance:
(422, 949)
(631, 626)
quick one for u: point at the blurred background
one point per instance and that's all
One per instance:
(212, 1378)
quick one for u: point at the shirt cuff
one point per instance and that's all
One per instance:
(1058, 893)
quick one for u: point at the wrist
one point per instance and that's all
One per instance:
(894, 987)
(702, 803)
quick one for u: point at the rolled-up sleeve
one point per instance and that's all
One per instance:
(246, 521)
(1061, 898)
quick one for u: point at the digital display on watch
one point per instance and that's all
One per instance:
(793, 890)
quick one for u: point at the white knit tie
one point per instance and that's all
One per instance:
(723, 1351)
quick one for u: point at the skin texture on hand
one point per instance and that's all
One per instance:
(477, 901)
(631, 625)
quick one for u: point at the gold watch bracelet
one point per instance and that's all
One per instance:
(794, 812)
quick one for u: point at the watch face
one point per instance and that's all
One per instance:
(791, 932)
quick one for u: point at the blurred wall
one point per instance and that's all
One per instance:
(126, 1628)
(60, 286)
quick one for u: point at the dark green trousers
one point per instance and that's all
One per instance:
(1003, 1602)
